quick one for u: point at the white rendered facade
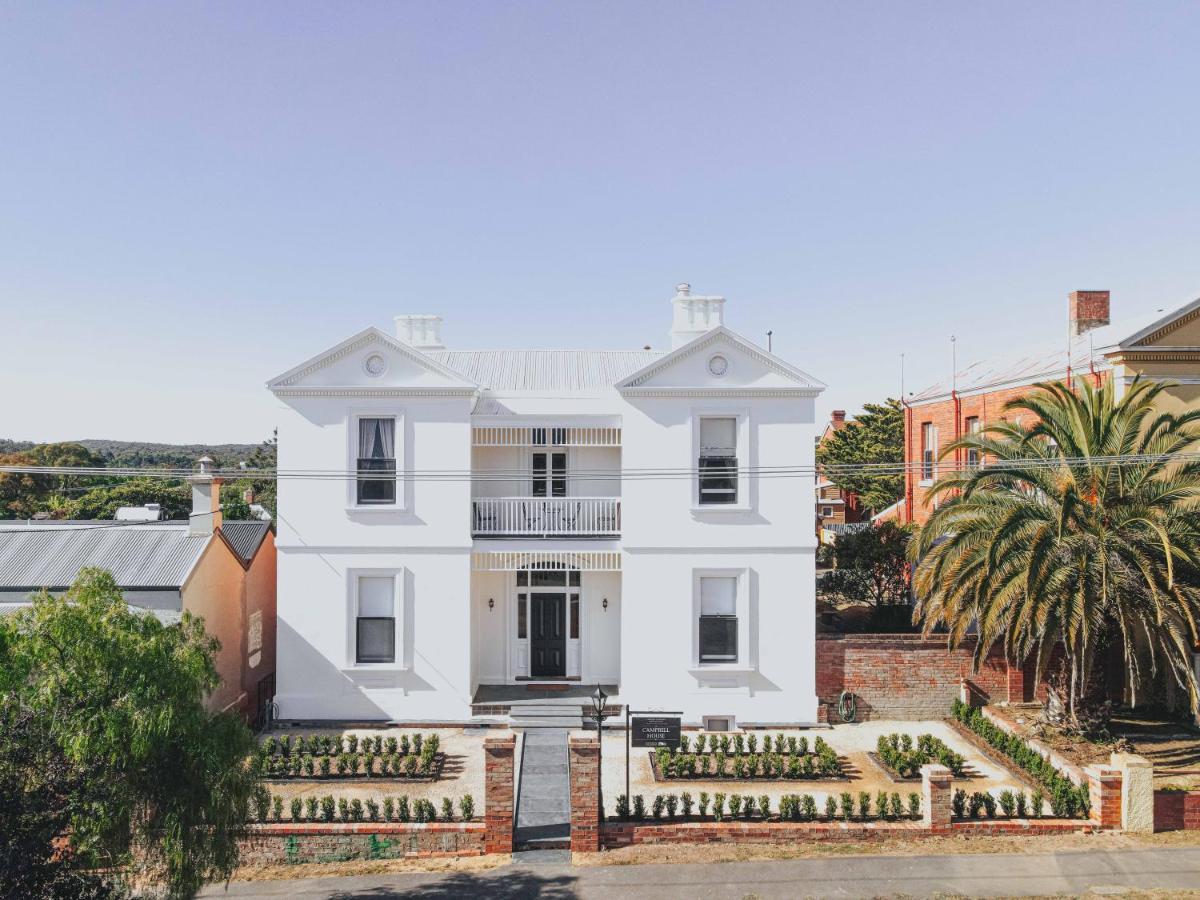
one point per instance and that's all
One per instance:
(547, 520)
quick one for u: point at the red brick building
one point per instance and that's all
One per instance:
(1154, 345)
(834, 506)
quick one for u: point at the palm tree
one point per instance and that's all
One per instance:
(1080, 527)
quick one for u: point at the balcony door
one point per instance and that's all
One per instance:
(548, 473)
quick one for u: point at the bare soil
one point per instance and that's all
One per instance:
(369, 867)
(1173, 747)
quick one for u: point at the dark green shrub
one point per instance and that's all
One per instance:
(356, 810)
(297, 809)
(735, 805)
(1008, 803)
(639, 807)
(830, 808)
(718, 807)
(403, 810)
(389, 809)
(864, 805)
(881, 804)
(447, 809)
(672, 805)
(656, 808)
(958, 803)
(327, 808)
(1021, 808)
(703, 804)
(466, 807)
(622, 806)
(896, 807)
(391, 745)
(372, 810)
(808, 807)
(343, 808)
(847, 805)
(685, 800)
(764, 805)
(914, 806)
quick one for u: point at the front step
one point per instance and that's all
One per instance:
(547, 715)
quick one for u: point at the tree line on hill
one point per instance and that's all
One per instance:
(26, 496)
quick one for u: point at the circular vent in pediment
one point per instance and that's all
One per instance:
(718, 365)
(375, 365)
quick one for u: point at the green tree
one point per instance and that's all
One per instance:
(102, 502)
(1036, 550)
(164, 784)
(874, 436)
(22, 494)
(870, 566)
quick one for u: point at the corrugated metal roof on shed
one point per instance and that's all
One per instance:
(151, 554)
(245, 537)
(545, 370)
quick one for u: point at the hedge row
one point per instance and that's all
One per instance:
(792, 807)
(1067, 799)
(269, 808)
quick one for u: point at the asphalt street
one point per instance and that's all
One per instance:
(548, 875)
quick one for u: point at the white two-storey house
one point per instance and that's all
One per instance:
(458, 525)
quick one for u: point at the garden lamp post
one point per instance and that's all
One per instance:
(598, 700)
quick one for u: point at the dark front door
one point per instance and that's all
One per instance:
(548, 635)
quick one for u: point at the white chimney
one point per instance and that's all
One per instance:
(694, 314)
(422, 332)
(206, 499)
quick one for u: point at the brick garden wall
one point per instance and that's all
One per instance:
(624, 834)
(902, 676)
(1177, 810)
(282, 844)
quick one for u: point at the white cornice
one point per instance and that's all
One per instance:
(795, 392)
(364, 391)
(721, 334)
(357, 342)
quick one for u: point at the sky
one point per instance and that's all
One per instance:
(195, 197)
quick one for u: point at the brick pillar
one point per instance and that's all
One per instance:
(1016, 683)
(1104, 790)
(1137, 792)
(498, 755)
(584, 756)
(936, 794)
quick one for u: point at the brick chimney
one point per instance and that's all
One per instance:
(1088, 310)
(206, 499)
(837, 418)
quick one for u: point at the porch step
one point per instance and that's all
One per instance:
(547, 714)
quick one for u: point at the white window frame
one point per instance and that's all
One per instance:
(973, 425)
(745, 453)
(352, 419)
(826, 512)
(933, 432)
(744, 661)
(398, 607)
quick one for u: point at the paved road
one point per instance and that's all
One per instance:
(987, 875)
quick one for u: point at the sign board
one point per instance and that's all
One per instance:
(655, 731)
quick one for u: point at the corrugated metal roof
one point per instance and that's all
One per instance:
(245, 537)
(151, 554)
(166, 616)
(545, 370)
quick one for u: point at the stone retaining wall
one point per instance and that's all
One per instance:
(283, 844)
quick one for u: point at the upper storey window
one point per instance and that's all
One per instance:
(718, 460)
(376, 461)
(548, 466)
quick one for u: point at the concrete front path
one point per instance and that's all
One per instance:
(544, 790)
(991, 875)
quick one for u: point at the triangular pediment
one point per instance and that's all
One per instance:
(369, 361)
(1178, 328)
(721, 361)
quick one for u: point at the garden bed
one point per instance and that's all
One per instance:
(720, 806)
(268, 807)
(325, 757)
(739, 760)
(901, 757)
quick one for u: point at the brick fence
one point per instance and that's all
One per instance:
(498, 756)
(1177, 810)
(905, 676)
(284, 843)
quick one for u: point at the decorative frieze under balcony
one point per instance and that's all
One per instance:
(546, 517)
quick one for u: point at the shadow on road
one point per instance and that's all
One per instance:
(509, 884)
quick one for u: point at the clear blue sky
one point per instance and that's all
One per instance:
(195, 197)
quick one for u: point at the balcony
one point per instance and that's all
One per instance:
(546, 517)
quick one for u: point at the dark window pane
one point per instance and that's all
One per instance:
(558, 436)
(376, 640)
(575, 617)
(718, 639)
(718, 479)
(522, 613)
(548, 577)
(537, 436)
(559, 470)
(522, 578)
(539, 474)
(574, 580)
(376, 481)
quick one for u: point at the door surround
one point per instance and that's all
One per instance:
(527, 584)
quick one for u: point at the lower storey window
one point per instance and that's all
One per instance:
(718, 620)
(375, 620)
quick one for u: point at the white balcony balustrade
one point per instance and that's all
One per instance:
(546, 516)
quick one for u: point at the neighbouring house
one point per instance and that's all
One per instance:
(835, 508)
(492, 519)
(223, 572)
(1160, 345)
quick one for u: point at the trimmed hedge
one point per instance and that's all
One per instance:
(896, 751)
(1067, 799)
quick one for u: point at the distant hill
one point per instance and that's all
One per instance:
(146, 455)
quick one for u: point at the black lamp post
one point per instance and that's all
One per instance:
(598, 700)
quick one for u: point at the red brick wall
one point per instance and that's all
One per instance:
(1177, 810)
(1104, 791)
(902, 676)
(988, 407)
(498, 793)
(584, 757)
(623, 834)
(282, 844)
